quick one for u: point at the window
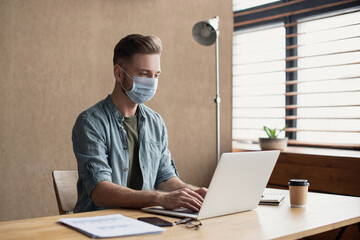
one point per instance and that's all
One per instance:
(241, 5)
(258, 81)
(329, 79)
(297, 63)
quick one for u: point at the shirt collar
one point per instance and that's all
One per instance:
(117, 113)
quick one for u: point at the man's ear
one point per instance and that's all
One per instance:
(118, 73)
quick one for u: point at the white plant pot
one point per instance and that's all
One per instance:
(273, 143)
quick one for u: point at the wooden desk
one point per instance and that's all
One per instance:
(324, 212)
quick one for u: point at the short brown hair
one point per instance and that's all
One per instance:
(136, 43)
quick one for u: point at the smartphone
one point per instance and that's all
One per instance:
(156, 221)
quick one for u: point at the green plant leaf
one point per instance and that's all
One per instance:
(281, 130)
(272, 132)
(267, 131)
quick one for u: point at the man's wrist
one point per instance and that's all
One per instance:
(155, 198)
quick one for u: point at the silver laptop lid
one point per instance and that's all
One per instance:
(238, 182)
(236, 186)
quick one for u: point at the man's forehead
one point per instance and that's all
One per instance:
(141, 61)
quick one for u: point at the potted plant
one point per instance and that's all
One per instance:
(273, 142)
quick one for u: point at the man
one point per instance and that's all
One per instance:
(121, 145)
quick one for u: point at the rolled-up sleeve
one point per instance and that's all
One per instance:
(91, 153)
(167, 167)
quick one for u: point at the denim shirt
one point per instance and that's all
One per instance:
(101, 149)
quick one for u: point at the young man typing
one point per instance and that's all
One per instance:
(121, 145)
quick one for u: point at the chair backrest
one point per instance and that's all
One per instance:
(65, 190)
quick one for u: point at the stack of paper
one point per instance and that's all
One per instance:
(115, 225)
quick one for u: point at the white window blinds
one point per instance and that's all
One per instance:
(258, 81)
(323, 88)
(328, 87)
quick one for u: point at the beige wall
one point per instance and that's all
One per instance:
(56, 60)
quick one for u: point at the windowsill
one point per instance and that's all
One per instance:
(303, 150)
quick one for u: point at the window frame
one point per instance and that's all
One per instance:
(288, 12)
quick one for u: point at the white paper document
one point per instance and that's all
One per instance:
(115, 225)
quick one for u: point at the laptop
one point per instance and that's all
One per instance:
(237, 185)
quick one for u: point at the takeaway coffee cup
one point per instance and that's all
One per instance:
(298, 192)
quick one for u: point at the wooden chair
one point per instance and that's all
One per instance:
(65, 190)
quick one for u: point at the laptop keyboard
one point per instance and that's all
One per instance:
(183, 210)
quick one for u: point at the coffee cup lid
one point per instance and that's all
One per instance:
(298, 182)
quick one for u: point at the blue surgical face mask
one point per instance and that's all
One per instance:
(143, 89)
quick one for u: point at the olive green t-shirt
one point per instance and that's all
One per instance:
(135, 180)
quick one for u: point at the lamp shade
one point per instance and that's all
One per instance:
(205, 32)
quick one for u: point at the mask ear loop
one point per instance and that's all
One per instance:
(128, 76)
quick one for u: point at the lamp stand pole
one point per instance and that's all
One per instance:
(205, 32)
(217, 101)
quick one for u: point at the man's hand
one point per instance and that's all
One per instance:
(184, 197)
(202, 192)
(177, 194)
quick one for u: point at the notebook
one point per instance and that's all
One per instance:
(271, 198)
(236, 186)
